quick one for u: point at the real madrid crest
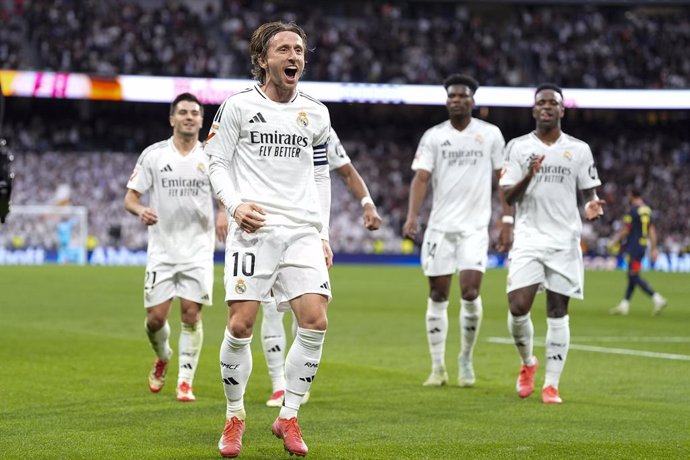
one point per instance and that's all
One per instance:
(302, 119)
(201, 167)
(479, 139)
(240, 287)
(568, 155)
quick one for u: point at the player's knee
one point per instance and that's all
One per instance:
(318, 323)
(470, 293)
(155, 322)
(241, 328)
(556, 308)
(558, 311)
(519, 308)
(438, 295)
(191, 316)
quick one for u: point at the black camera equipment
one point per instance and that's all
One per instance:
(6, 173)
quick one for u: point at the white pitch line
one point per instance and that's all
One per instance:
(615, 351)
(633, 339)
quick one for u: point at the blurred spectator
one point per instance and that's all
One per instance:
(653, 159)
(12, 34)
(588, 46)
(121, 37)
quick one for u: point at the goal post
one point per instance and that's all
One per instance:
(62, 230)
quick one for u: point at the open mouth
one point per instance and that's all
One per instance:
(291, 72)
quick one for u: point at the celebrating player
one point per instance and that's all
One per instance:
(457, 157)
(637, 232)
(543, 172)
(180, 246)
(267, 148)
(273, 340)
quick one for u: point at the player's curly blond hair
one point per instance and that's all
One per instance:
(258, 46)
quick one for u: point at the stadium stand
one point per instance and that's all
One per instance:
(590, 46)
(95, 159)
(91, 147)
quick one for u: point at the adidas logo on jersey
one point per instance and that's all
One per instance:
(167, 168)
(258, 118)
(446, 143)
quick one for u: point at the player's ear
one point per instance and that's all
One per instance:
(171, 120)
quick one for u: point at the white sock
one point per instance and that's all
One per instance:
(235, 368)
(436, 333)
(301, 365)
(470, 320)
(159, 341)
(522, 330)
(273, 342)
(557, 344)
(191, 339)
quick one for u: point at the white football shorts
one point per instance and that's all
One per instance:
(444, 253)
(558, 270)
(191, 281)
(289, 261)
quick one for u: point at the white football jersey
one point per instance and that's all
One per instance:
(273, 151)
(547, 215)
(462, 165)
(337, 156)
(180, 193)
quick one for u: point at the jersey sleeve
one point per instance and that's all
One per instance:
(225, 131)
(587, 176)
(512, 171)
(220, 147)
(321, 140)
(424, 156)
(142, 177)
(337, 156)
(322, 176)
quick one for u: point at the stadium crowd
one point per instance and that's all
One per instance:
(419, 42)
(66, 158)
(90, 152)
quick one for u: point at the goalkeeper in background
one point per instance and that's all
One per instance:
(180, 222)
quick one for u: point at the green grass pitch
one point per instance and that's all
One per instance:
(74, 360)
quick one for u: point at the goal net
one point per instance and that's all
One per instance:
(44, 234)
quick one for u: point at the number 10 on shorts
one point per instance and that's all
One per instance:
(244, 262)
